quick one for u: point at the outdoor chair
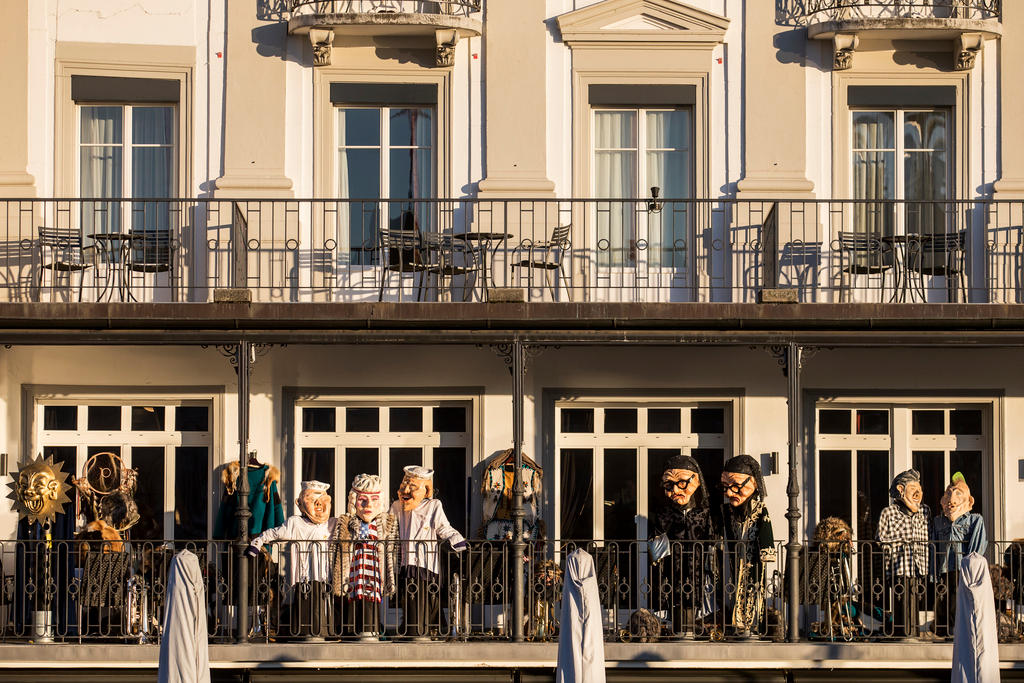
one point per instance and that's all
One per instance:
(404, 251)
(862, 253)
(547, 257)
(61, 252)
(149, 251)
(940, 255)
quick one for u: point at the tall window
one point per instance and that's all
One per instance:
(901, 154)
(384, 153)
(126, 151)
(635, 150)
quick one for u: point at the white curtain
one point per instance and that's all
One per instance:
(668, 167)
(615, 142)
(152, 166)
(102, 139)
(924, 164)
(874, 171)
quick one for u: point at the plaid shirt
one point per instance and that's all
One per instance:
(904, 538)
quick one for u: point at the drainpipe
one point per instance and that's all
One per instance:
(793, 493)
(518, 513)
(243, 366)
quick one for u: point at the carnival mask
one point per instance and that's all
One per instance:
(738, 487)
(680, 485)
(412, 491)
(911, 494)
(957, 500)
(368, 505)
(315, 505)
(39, 490)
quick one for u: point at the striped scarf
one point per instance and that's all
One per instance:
(364, 577)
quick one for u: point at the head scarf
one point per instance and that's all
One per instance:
(902, 479)
(684, 462)
(744, 464)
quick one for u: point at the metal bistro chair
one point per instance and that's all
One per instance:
(863, 253)
(404, 251)
(547, 257)
(149, 252)
(61, 251)
(940, 255)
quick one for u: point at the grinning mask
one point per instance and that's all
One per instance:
(416, 486)
(366, 499)
(957, 501)
(314, 502)
(911, 494)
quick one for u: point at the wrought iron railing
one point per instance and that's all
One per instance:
(461, 250)
(449, 7)
(833, 10)
(75, 591)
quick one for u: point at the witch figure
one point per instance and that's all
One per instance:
(750, 543)
(683, 530)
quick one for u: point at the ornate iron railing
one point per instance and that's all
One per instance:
(449, 7)
(579, 250)
(833, 10)
(76, 591)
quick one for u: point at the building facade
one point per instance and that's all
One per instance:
(355, 235)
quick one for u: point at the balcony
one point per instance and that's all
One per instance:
(444, 21)
(469, 250)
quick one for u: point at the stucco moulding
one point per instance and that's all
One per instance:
(643, 21)
(383, 24)
(905, 28)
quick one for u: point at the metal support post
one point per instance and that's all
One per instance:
(243, 366)
(518, 513)
(793, 492)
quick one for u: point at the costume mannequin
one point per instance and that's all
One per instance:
(956, 532)
(307, 553)
(264, 500)
(362, 558)
(903, 531)
(421, 524)
(682, 526)
(498, 480)
(828, 581)
(748, 527)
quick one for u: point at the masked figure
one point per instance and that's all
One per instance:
(362, 557)
(306, 534)
(751, 544)
(422, 524)
(682, 528)
(903, 531)
(828, 582)
(956, 532)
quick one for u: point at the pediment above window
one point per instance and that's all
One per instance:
(642, 21)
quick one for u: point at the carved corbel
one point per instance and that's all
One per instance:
(321, 40)
(447, 39)
(843, 45)
(966, 49)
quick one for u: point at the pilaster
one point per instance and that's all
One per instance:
(15, 181)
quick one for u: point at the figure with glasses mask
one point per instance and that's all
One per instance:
(750, 543)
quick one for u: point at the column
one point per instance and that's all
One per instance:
(1011, 74)
(15, 181)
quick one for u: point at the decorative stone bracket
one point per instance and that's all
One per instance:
(843, 45)
(447, 39)
(966, 49)
(321, 40)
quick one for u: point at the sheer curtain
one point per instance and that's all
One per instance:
(152, 166)
(101, 149)
(615, 144)
(359, 159)
(925, 171)
(874, 169)
(668, 167)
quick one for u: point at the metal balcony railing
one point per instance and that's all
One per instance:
(461, 250)
(76, 591)
(836, 10)
(447, 7)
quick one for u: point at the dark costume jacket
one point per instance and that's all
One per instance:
(748, 528)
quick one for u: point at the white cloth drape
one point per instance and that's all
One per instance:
(100, 163)
(580, 640)
(184, 648)
(976, 638)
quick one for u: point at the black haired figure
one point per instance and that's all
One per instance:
(748, 527)
(683, 528)
(903, 533)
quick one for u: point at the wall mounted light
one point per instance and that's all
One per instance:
(654, 206)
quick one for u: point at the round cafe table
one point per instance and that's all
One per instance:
(115, 247)
(480, 241)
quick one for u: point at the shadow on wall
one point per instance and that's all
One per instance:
(791, 12)
(272, 10)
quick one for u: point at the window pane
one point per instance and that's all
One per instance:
(152, 177)
(833, 421)
(362, 419)
(925, 176)
(360, 127)
(872, 421)
(872, 490)
(615, 130)
(620, 420)
(707, 420)
(319, 420)
(450, 419)
(192, 419)
(450, 481)
(577, 420)
(620, 493)
(148, 461)
(965, 422)
(60, 418)
(362, 461)
(874, 130)
(102, 125)
(412, 127)
(153, 125)
(924, 130)
(406, 419)
(656, 499)
(148, 418)
(398, 459)
(928, 422)
(359, 175)
(711, 461)
(191, 467)
(968, 463)
(101, 174)
(664, 421)
(834, 485)
(104, 418)
(577, 495)
(318, 464)
(874, 175)
(668, 129)
(411, 174)
(931, 465)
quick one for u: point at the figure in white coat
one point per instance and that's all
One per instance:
(422, 524)
(581, 635)
(976, 636)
